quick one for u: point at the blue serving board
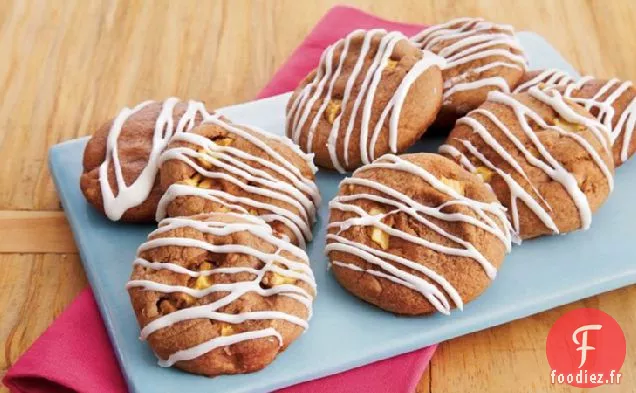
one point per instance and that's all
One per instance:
(346, 332)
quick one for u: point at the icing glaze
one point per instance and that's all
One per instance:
(302, 115)
(237, 167)
(490, 217)
(466, 40)
(272, 262)
(134, 194)
(549, 77)
(613, 89)
(542, 159)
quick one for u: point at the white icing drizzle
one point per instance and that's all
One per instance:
(625, 123)
(322, 85)
(473, 39)
(490, 217)
(544, 161)
(272, 262)
(550, 77)
(295, 190)
(129, 196)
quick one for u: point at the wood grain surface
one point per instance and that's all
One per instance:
(66, 66)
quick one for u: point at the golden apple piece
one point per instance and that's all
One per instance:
(202, 282)
(226, 329)
(332, 110)
(485, 173)
(223, 141)
(568, 126)
(378, 236)
(272, 279)
(205, 266)
(204, 162)
(206, 183)
(456, 185)
(192, 181)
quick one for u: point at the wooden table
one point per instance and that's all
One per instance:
(67, 66)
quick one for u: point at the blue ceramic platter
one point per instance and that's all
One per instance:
(345, 332)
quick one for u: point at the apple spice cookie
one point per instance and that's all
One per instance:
(373, 93)
(613, 103)
(480, 57)
(551, 77)
(547, 160)
(220, 294)
(120, 160)
(416, 233)
(220, 166)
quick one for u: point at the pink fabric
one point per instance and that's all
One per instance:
(75, 354)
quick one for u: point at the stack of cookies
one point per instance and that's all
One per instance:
(223, 284)
(216, 293)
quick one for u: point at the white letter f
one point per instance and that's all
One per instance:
(584, 347)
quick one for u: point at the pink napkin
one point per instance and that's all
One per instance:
(75, 354)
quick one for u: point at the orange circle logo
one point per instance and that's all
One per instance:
(586, 348)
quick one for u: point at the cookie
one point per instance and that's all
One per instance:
(372, 93)
(221, 166)
(613, 102)
(220, 294)
(547, 159)
(481, 57)
(120, 160)
(549, 77)
(416, 233)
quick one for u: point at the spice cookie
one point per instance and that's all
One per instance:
(372, 93)
(551, 77)
(547, 160)
(613, 102)
(481, 57)
(220, 294)
(220, 166)
(416, 233)
(120, 160)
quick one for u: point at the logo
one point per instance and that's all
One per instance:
(586, 348)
